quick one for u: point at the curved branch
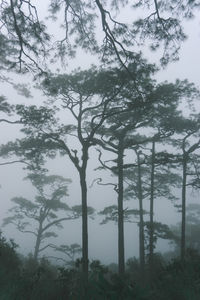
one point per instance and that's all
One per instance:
(45, 247)
(58, 221)
(10, 122)
(99, 182)
(15, 161)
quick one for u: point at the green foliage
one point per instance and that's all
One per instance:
(110, 213)
(161, 231)
(9, 268)
(164, 179)
(77, 209)
(23, 36)
(43, 211)
(192, 228)
(23, 90)
(25, 41)
(34, 117)
(9, 260)
(161, 24)
(28, 279)
(5, 107)
(69, 252)
(113, 102)
(179, 280)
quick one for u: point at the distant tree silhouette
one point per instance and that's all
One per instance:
(42, 211)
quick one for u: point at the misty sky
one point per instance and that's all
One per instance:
(102, 238)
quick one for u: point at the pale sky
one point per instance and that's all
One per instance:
(102, 238)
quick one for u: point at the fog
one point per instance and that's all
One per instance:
(102, 238)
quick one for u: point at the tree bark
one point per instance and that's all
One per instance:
(83, 184)
(141, 224)
(183, 207)
(121, 259)
(151, 233)
(38, 242)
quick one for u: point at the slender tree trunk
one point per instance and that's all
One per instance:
(38, 242)
(83, 184)
(121, 259)
(141, 224)
(151, 233)
(183, 208)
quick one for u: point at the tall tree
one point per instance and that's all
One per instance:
(138, 176)
(165, 115)
(163, 180)
(86, 95)
(77, 93)
(43, 210)
(189, 143)
(141, 223)
(117, 138)
(119, 133)
(103, 92)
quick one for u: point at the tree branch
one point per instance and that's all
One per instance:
(11, 122)
(58, 221)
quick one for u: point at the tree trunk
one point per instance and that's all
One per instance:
(183, 207)
(83, 184)
(121, 259)
(38, 242)
(151, 233)
(141, 224)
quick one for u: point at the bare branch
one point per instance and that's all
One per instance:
(99, 182)
(11, 122)
(58, 221)
(15, 161)
(45, 247)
